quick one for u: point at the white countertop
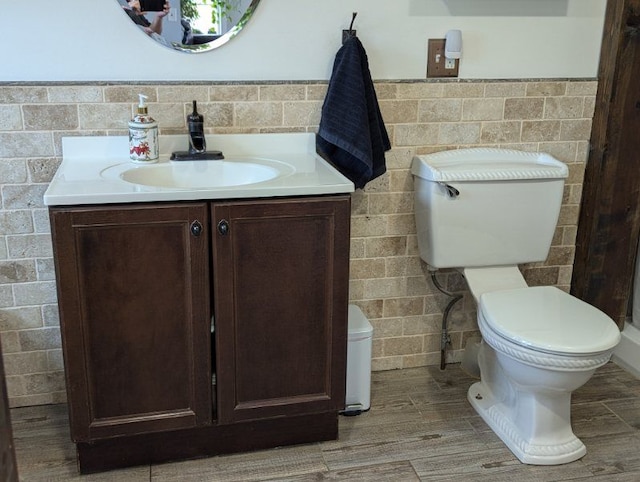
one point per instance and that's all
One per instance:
(90, 172)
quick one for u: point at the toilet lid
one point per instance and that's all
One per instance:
(547, 319)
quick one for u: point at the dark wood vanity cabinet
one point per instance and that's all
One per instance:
(141, 289)
(280, 291)
(133, 293)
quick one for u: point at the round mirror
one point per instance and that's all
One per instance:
(190, 25)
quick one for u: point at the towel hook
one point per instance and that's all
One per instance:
(353, 19)
(346, 34)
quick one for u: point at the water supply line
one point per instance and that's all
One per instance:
(445, 339)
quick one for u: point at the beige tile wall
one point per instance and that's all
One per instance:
(388, 279)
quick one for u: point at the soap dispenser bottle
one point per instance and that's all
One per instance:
(143, 135)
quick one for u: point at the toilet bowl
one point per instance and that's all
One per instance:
(483, 212)
(539, 345)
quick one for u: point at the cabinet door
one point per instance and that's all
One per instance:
(133, 294)
(280, 296)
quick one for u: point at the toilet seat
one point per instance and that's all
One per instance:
(548, 320)
(530, 356)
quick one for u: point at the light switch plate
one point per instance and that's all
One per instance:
(437, 64)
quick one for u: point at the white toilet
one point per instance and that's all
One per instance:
(484, 211)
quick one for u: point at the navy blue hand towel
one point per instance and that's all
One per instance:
(352, 135)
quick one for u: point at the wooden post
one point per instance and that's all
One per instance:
(609, 222)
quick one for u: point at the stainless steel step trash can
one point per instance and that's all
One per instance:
(358, 397)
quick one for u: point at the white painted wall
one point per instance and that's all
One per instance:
(77, 40)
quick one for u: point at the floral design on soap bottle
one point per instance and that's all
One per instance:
(143, 135)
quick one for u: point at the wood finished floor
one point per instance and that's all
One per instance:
(420, 427)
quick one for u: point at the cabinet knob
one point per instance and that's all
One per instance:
(196, 228)
(223, 227)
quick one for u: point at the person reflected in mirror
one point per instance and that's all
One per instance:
(134, 10)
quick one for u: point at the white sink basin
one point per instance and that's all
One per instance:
(200, 174)
(97, 170)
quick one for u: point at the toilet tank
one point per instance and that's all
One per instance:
(486, 207)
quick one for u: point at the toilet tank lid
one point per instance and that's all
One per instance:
(487, 164)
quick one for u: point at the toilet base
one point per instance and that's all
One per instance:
(494, 414)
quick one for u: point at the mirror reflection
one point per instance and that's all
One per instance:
(190, 25)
